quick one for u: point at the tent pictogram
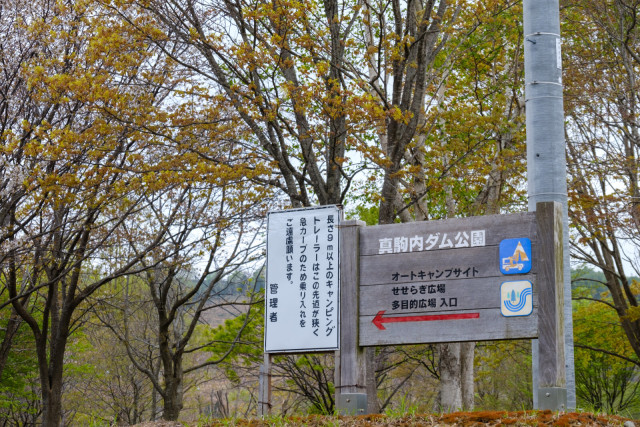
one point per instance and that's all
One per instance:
(515, 256)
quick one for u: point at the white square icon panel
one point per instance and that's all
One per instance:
(516, 298)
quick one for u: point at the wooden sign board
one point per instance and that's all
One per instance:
(463, 279)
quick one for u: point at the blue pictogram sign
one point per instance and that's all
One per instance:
(516, 298)
(515, 256)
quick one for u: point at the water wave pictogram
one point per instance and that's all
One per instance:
(514, 308)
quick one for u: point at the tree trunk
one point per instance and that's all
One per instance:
(467, 355)
(52, 407)
(173, 393)
(451, 354)
(173, 401)
(51, 373)
(51, 362)
(154, 403)
(154, 391)
(450, 377)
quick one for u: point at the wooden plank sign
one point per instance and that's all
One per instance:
(463, 279)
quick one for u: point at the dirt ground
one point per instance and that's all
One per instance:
(462, 419)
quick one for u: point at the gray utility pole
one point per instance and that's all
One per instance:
(546, 162)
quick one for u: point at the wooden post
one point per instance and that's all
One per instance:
(264, 387)
(552, 392)
(350, 360)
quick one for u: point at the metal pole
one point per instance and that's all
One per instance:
(546, 159)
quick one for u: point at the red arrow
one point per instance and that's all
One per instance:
(379, 319)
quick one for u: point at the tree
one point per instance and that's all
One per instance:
(280, 70)
(210, 239)
(606, 369)
(76, 165)
(468, 134)
(603, 143)
(103, 386)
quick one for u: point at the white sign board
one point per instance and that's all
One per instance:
(303, 282)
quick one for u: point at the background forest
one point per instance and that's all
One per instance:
(143, 142)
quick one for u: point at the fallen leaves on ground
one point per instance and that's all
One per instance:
(462, 419)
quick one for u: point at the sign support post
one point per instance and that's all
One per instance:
(351, 397)
(264, 387)
(552, 388)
